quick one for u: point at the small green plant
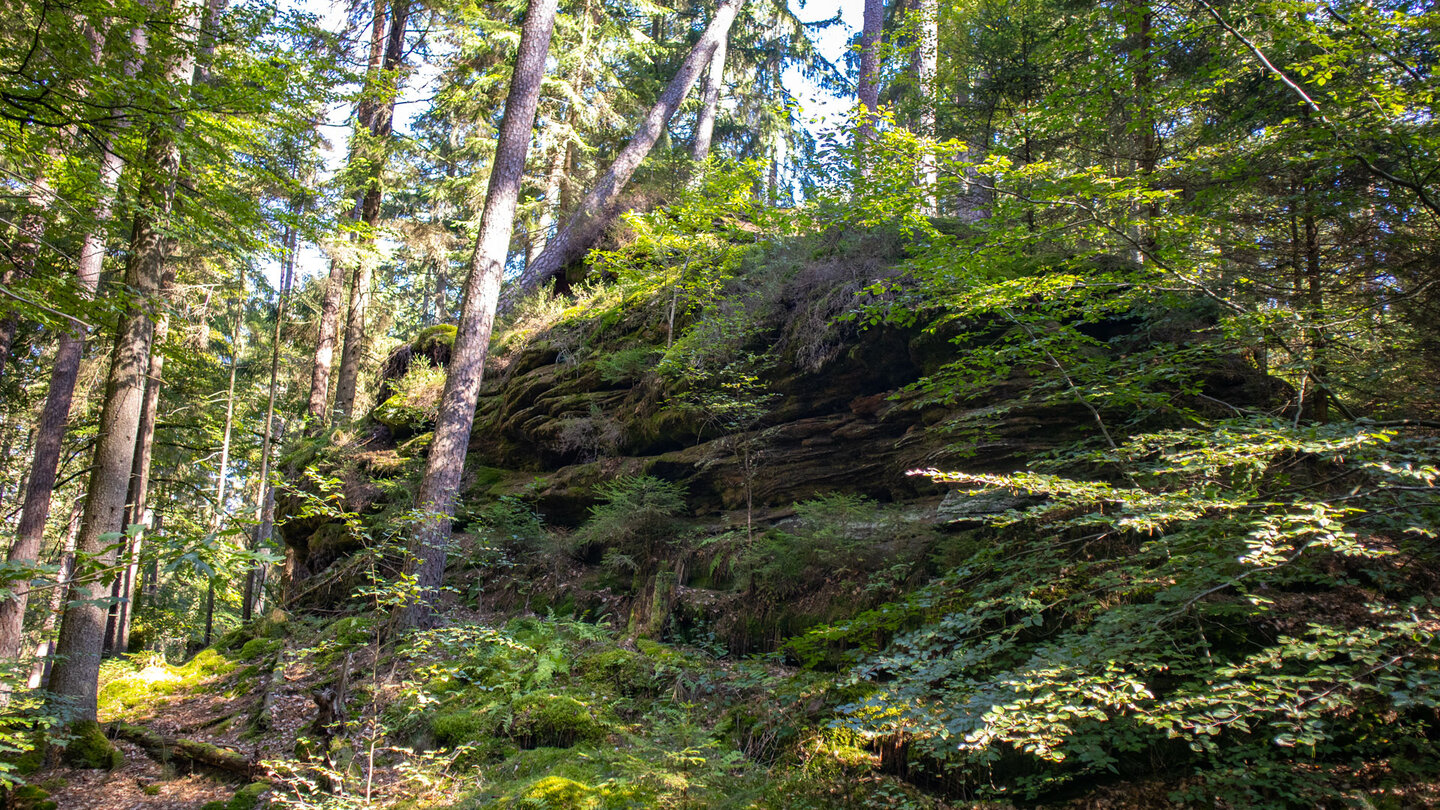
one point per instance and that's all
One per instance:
(637, 516)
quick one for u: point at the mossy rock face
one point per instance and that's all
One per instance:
(555, 721)
(415, 446)
(397, 412)
(89, 748)
(352, 629)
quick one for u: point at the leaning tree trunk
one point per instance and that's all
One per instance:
(602, 204)
(436, 498)
(710, 106)
(868, 88)
(382, 123)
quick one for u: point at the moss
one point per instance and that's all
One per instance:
(433, 336)
(249, 797)
(30, 797)
(31, 754)
(234, 639)
(556, 793)
(352, 630)
(259, 648)
(629, 673)
(89, 748)
(416, 445)
(277, 624)
(558, 721)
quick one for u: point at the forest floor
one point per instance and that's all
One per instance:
(663, 727)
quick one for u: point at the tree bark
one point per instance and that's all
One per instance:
(194, 752)
(927, 64)
(318, 411)
(868, 87)
(117, 631)
(75, 678)
(602, 204)
(710, 106)
(45, 650)
(265, 498)
(436, 498)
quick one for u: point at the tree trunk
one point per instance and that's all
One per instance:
(602, 204)
(381, 125)
(927, 51)
(317, 411)
(82, 631)
(75, 678)
(265, 499)
(55, 416)
(868, 87)
(117, 633)
(549, 206)
(710, 102)
(436, 498)
(217, 517)
(45, 650)
(24, 248)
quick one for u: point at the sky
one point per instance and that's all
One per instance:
(819, 107)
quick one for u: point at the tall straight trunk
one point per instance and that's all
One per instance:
(55, 415)
(868, 87)
(82, 630)
(442, 281)
(435, 500)
(1140, 22)
(265, 498)
(1313, 295)
(24, 250)
(217, 517)
(45, 650)
(927, 61)
(381, 125)
(710, 102)
(44, 466)
(318, 411)
(75, 679)
(117, 631)
(602, 204)
(348, 383)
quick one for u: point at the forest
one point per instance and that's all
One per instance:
(585, 404)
